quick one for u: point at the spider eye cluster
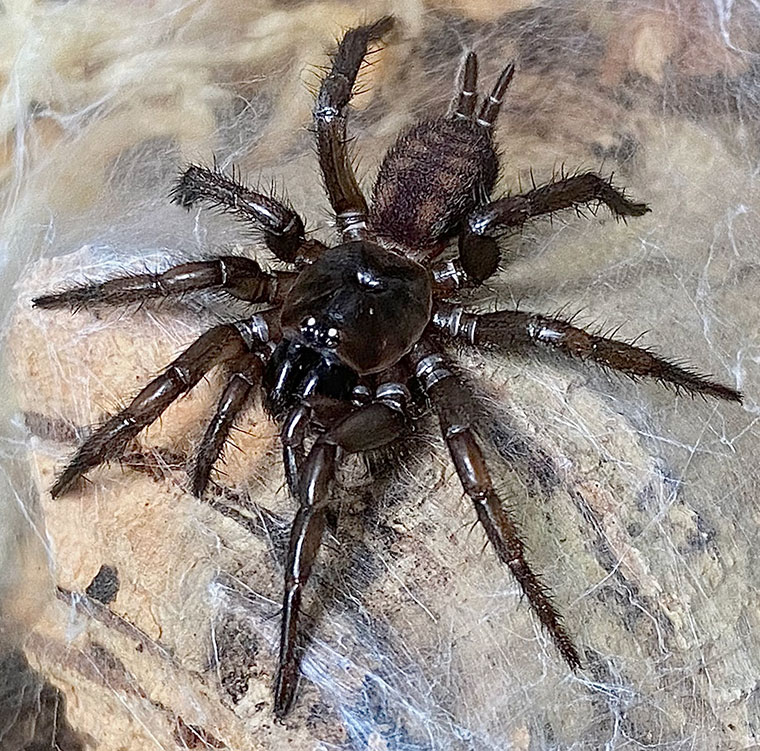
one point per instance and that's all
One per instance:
(319, 335)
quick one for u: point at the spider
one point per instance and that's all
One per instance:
(353, 343)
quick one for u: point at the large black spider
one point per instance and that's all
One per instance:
(341, 339)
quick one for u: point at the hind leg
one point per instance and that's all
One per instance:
(343, 190)
(575, 191)
(281, 226)
(478, 251)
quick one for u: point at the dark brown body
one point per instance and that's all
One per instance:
(354, 344)
(435, 174)
(345, 306)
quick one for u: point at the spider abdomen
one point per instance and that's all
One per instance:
(432, 177)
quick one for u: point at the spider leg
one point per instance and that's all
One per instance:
(305, 539)
(283, 228)
(513, 330)
(240, 277)
(292, 437)
(245, 373)
(478, 260)
(468, 91)
(568, 192)
(315, 409)
(343, 190)
(217, 345)
(478, 251)
(369, 427)
(450, 401)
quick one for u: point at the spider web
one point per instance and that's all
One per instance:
(134, 616)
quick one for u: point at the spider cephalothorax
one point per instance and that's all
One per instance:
(348, 302)
(336, 342)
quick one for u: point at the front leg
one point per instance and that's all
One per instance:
(305, 541)
(451, 403)
(369, 427)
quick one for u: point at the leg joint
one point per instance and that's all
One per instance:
(432, 369)
(178, 373)
(456, 323)
(394, 395)
(254, 331)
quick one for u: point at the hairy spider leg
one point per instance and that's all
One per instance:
(479, 254)
(282, 227)
(245, 373)
(214, 347)
(512, 330)
(464, 106)
(574, 191)
(450, 401)
(240, 277)
(315, 410)
(346, 198)
(369, 427)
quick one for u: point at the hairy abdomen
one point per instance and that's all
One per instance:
(432, 177)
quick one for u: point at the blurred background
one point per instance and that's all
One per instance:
(133, 616)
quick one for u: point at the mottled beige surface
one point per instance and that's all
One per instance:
(646, 523)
